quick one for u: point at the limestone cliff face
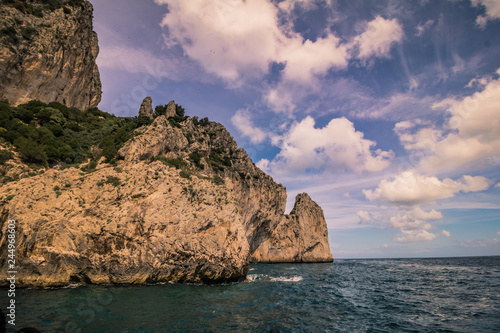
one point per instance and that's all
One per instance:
(49, 54)
(184, 205)
(147, 225)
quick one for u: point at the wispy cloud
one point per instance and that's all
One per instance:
(413, 224)
(471, 134)
(398, 106)
(422, 28)
(480, 243)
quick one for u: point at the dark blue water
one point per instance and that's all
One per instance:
(391, 295)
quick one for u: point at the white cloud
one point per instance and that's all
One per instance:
(414, 225)
(289, 5)
(337, 146)
(407, 236)
(498, 233)
(282, 98)
(241, 120)
(379, 36)
(236, 39)
(228, 38)
(497, 185)
(410, 188)
(305, 59)
(404, 125)
(415, 219)
(471, 134)
(492, 7)
(263, 164)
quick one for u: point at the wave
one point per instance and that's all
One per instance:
(263, 277)
(287, 279)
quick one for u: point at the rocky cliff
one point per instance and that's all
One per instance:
(47, 52)
(184, 204)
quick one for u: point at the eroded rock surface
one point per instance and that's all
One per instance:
(49, 54)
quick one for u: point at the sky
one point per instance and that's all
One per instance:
(386, 112)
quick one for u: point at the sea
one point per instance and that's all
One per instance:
(362, 295)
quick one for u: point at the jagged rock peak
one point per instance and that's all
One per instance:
(146, 108)
(170, 109)
(48, 52)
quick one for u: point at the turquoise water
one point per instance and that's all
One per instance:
(391, 295)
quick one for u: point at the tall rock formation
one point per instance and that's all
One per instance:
(146, 108)
(301, 236)
(184, 204)
(48, 52)
(170, 112)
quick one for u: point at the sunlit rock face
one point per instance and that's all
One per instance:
(48, 53)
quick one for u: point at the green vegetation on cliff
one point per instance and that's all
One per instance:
(48, 134)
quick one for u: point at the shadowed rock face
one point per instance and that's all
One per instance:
(49, 55)
(147, 221)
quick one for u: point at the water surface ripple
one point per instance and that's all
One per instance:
(390, 295)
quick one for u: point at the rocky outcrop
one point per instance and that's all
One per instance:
(48, 52)
(146, 109)
(301, 236)
(184, 205)
(170, 112)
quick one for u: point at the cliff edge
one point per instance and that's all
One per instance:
(183, 204)
(48, 52)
